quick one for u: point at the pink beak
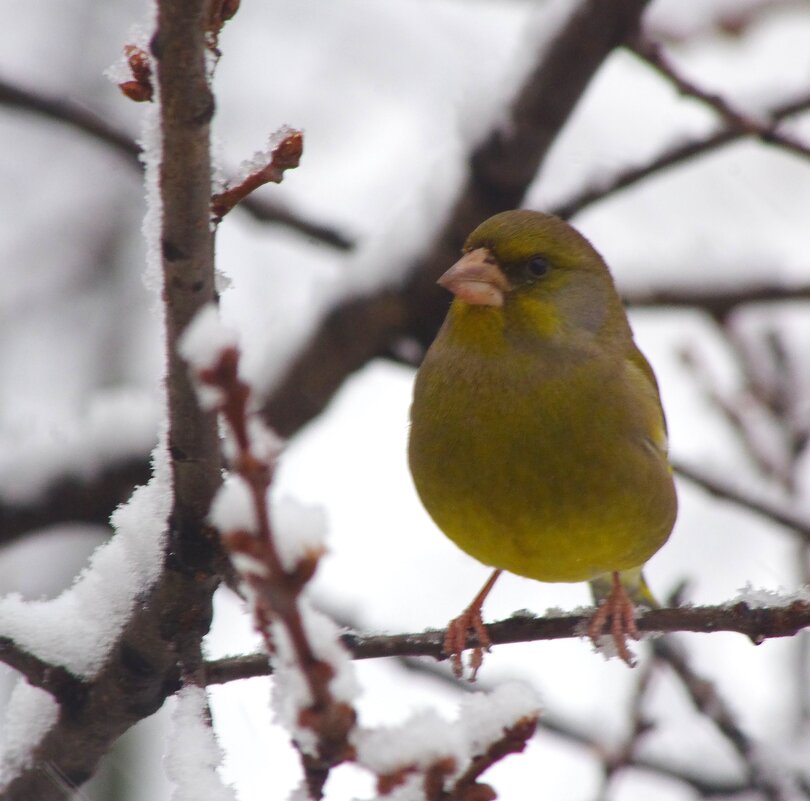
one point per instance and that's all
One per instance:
(476, 279)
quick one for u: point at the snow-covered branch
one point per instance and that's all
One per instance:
(131, 627)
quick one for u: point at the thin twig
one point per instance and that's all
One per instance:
(63, 685)
(653, 54)
(72, 114)
(81, 119)
(675, 154)
(285, 155)
(757, 623)
(708, 701)
(719, 302)
(275, 589)
(729, 20)
(744, 411)
(617, 759)
(766, 509)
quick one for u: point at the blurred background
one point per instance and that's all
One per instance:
(392, 97)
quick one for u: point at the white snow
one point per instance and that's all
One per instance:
(77, 628)
(401, 95)
(265, 444)
(261, 158)
(203, 341)
(291, 694)
(426, 738)
(232, 508)
(299, 530)
(28, 717)
(119, 71)
(762, 598)
(420, 741)
(193, 755)
(484, 717)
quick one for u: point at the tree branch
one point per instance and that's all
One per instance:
(708, 702)
(82, 119)
(670, 157)
(718, 303)
(775, 514)
(500, 170)
(161, 641)
(757, 623)
(56, 680)
(653, 54)
(555, 726)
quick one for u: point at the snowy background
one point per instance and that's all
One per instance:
(391, 96)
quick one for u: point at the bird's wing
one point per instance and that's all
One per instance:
(640, 372)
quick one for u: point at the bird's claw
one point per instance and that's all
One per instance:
(617, 609)
(459, 630)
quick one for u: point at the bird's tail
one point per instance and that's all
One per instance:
(633, 582)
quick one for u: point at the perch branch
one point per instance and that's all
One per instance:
(757, 623)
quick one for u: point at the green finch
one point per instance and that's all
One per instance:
(538, 442)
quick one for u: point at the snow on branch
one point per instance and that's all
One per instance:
(315, 687)
(193, 754)
(315, 701)
(219, 12)
(78, 117)
(282, 152)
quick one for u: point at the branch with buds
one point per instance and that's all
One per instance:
(314, 685)
(283, 153)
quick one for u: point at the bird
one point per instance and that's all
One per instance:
(537, 439)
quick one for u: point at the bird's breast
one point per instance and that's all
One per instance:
(537, 462)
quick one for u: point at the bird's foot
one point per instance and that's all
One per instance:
(616, 615)
(469, 622)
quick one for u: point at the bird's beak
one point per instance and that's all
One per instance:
(476, 279)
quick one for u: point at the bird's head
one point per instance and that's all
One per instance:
(534, 266)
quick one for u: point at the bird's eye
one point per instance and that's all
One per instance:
(537, 266)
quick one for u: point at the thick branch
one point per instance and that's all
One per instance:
(187, 248)
(500, 171)
(162, 638)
